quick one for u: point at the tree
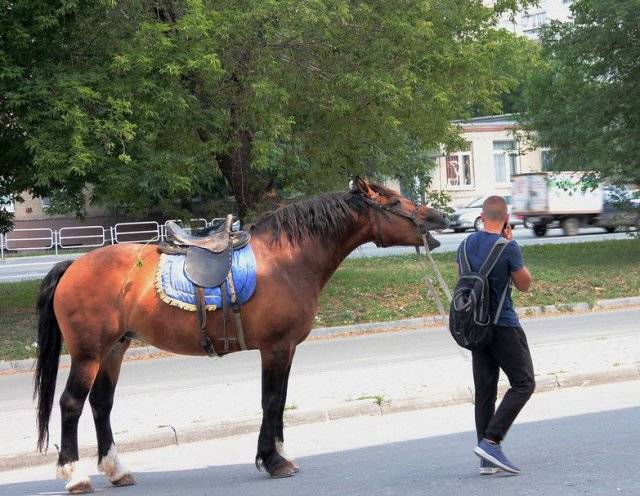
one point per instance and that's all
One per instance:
(150, 102)
(584, 100)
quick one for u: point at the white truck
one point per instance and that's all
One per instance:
(544, 199)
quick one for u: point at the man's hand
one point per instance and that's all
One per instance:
(507, 233)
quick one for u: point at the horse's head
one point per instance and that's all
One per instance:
(396, 220)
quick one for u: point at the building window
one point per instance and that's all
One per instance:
(459, 169)
(531, 24)
(533, 21)
(7, 204)
(505, 160)
(45, 202)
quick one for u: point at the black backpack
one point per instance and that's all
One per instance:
(469, 319)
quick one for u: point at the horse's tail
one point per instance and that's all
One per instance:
(49, 346)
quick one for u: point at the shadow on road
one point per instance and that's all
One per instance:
(595, 454)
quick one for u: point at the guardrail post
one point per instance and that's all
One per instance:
(1, 246)
(55, 236)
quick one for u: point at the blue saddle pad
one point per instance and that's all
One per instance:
(175, 289)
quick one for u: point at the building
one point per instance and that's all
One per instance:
(32, 213)
(495, 151)
(529, 21)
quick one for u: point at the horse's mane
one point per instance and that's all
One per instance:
(327, 217)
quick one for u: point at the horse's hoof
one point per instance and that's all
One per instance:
(295, 465)
(82, 487)
(287, 469)
(77, 481)
(125, 480)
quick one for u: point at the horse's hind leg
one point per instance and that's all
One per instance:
(101, 400)
(81, 376)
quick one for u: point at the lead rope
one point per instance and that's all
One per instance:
(434, 293)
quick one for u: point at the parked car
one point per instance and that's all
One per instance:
(468, 217)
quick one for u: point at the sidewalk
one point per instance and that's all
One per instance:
(184, 399)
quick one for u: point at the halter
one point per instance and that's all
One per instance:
(413, 217)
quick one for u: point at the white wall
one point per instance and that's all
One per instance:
(525, 22)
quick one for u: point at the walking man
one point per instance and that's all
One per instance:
(508, 350)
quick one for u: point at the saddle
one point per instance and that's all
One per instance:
(207, 265)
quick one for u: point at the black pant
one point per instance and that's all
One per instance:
(509, 351)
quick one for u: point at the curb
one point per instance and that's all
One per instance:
(170, 436)
(143, 352)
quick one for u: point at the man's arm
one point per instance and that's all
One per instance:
(520, 275)
(521, 279)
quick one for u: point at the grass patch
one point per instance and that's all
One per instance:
(378, 399)
(390, 288)
(18, 319)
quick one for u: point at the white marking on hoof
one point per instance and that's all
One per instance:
(77, 480)
(112, 466)
(281, 450)
(283, 453)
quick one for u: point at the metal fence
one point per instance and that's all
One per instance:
(136, 232)
(41, 238)
(79, 237)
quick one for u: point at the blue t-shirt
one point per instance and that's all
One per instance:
(478, 246)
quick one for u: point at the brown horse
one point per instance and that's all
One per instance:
(99, 300)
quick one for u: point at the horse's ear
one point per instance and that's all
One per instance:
(362, 186)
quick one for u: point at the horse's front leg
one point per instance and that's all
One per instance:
(280, 425)
(276, 362)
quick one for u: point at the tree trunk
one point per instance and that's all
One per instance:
(253, 190)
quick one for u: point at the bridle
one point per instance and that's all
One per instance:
(421, 227)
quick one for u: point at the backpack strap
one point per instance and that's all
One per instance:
(464, 259)
(502, 298)
(495, 253)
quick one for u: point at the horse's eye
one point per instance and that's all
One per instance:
(394, 203)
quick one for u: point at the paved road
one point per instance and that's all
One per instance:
(329, 378)
(450, 241)
(29, 268)
(569, 442)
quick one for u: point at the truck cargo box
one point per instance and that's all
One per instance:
(554, 193)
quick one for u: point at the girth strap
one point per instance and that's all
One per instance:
(236, 312)
(205, 340)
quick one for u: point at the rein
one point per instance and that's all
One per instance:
(434, 293)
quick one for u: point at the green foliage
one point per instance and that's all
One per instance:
(584, 101)
(439, 199)
(152, 102)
